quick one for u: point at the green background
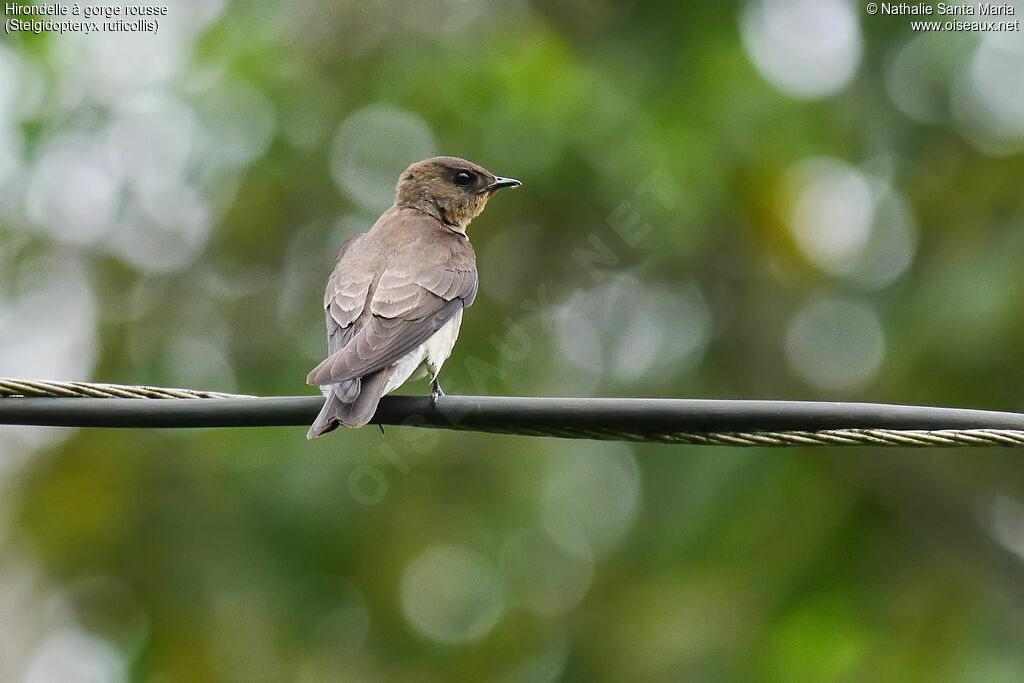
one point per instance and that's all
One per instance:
(781, 199)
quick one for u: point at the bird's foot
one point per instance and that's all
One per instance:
(436, 391)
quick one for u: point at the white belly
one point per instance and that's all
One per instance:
(428, 357)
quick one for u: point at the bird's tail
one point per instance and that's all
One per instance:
(355, 412)
(329, 417)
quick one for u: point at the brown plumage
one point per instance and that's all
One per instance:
(395, 299)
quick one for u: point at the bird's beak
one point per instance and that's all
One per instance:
(500, 182)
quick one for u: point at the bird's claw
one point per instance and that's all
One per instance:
(436, 392)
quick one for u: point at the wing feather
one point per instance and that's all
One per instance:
(373, 325)
(344, 299)
(382, 342)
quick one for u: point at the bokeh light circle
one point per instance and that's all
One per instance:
(451, 594)
(849, 223)
(75, 656)
(372, 147)
(591, 497)
(835, 344)
(805, 48)
(540, 575)
(988, 100)
(629, 331)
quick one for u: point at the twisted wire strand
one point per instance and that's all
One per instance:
(24, 388)
(28, 402)
(904, 438)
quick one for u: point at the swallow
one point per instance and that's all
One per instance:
(395, 299)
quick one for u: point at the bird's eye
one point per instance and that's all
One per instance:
(462, 179)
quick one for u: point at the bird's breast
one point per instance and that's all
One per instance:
(428, 357)
(438, 347)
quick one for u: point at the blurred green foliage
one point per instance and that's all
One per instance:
(781, 199)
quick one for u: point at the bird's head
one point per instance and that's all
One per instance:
(452, 190)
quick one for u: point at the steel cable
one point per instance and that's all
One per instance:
(677, 421)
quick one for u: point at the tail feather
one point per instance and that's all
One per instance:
(357, 411)
(361, 410)
(329, 417)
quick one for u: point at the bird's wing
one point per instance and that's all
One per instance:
(344, 299)
(404, 311)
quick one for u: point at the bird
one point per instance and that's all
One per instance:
(395, 299)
